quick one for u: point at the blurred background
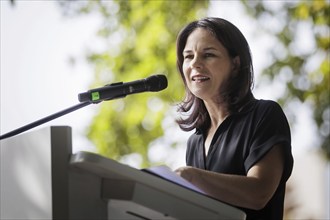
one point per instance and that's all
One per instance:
(53, 50)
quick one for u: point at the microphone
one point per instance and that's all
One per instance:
(153, 83)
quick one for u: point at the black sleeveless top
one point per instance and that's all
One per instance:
(241, 141)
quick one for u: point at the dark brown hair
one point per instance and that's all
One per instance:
(238, 89)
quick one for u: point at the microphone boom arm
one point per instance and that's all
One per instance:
(44, 120)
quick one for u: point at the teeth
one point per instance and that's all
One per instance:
(200, 78)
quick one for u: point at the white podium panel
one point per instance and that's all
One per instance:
(33, 174)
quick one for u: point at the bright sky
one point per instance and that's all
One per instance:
(37, 79)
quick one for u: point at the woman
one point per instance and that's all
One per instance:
(241, 150)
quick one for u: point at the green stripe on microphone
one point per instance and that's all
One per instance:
(95, 96)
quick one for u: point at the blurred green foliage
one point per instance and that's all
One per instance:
(139, 38)
(304, 69)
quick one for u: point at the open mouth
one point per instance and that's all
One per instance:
(200, 78)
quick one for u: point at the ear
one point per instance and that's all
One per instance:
(237, 63)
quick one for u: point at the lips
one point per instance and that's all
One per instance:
(200, 78)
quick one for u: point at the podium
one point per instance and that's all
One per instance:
(42, 179)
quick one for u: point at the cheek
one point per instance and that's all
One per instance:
(186, 71)
(184, 66)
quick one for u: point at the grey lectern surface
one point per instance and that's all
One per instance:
(134, 194)
(41, 179)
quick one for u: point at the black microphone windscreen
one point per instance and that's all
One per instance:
(156, 83)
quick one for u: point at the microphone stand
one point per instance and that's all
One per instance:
(44, 120)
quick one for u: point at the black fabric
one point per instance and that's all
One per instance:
(240, 142)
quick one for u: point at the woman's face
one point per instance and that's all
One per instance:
(206, 65)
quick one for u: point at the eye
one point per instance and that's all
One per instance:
(209, 55)
(188, 56)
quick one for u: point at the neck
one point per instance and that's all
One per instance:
(218, 113)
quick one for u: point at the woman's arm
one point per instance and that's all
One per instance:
(252, 191)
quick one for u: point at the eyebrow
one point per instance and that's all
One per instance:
(205, 49)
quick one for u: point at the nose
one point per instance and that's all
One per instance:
(196, 63)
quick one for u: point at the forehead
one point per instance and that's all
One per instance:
(201, 37)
